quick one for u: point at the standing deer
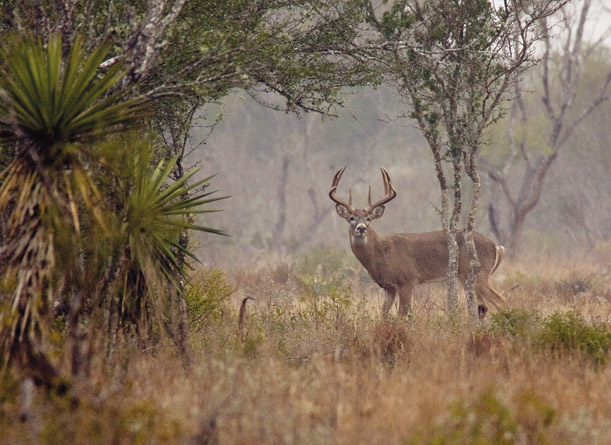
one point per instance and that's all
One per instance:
(400, 261)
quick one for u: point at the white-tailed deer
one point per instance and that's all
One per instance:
(400, 261)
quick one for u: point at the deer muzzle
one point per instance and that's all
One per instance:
(360, 229)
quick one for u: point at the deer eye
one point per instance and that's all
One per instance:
(352, 219)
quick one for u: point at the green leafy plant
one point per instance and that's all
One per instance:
(50, 110)
(569, 331)
(489, 419)
(86, 222)
(50, 102)
(155, 215)
(206, 293)
(514, 323)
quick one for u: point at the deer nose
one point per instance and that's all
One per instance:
(361, 228)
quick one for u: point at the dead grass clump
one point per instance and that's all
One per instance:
(482, 343)
(391, 340)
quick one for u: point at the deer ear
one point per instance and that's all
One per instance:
(342, 211)
(377, 212)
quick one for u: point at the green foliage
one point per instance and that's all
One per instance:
(323, 299)
(322, 260)
(560, 333)
(488, 419)
(484, 420)
(99, 227)
(566, 332)
(322, 278)
(518, 323)
(113, 421)
(53, 102)
(206, 294)
(156, 214)
(50, 109)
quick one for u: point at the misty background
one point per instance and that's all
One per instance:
(277, 167)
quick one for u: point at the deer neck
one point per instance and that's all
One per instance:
(364, 247)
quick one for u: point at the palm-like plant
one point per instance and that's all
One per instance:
(50, 112)
(155, 214)
(67, 183)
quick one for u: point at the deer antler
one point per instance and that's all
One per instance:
(389, 191)
(332, 194)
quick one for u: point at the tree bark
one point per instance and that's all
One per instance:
(474, 263)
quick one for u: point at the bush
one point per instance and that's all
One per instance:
(515, 322)
(562, 332)
(488, 419)
(324, 261)
(205, 295)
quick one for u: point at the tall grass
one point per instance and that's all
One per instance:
(314, 363)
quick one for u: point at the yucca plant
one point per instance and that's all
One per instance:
(51, 112)
(155, 214)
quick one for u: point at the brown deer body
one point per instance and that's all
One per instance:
(400, 261)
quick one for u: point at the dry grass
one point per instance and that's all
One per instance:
(315, 364)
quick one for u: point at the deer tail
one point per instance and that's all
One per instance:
(500, 251)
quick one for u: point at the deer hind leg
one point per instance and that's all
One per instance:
(389, 299)
(405, 299)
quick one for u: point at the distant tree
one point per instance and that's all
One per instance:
(455, 61)
(546, 109)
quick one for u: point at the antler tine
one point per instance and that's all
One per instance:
(389, 192)
(338, 176)
(369, 197)
(386, 180)
(334, 184)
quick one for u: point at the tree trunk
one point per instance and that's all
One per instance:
(184, 344)
(449, 229)
(281, 219)
(474, 263)
(529, 195)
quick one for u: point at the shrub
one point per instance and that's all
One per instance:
(324, 298)
(488, 419)
(390, 339)
(324, 261)
(514, 322)
(483, 420)
(205, 295)
(569, 331)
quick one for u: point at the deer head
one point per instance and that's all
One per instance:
(360, 219)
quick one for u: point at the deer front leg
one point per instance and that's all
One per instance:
(389, 299)
(405, 299)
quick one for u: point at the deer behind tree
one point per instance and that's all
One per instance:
(400, 261)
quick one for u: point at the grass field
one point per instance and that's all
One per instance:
(313, 363)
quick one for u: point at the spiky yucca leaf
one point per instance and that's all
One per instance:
(156, 215)
(51, 101)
